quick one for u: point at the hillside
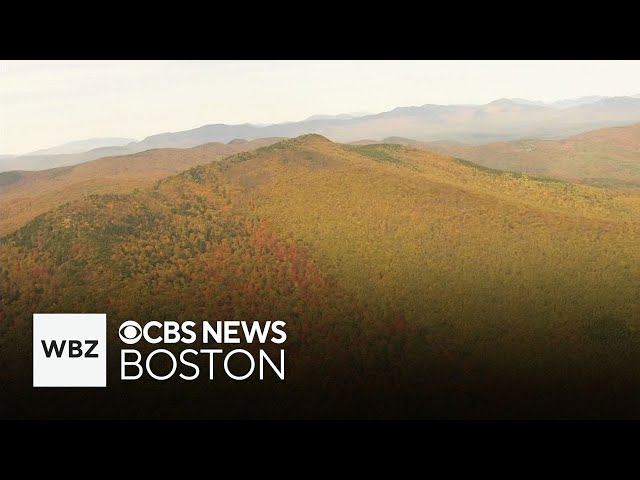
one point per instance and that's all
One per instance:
(24, 195)
(608, 157)
(413, 285)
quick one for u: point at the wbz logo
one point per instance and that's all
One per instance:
(75, 348)
(69, 350)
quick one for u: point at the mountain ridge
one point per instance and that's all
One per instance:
(25, 194)
(80, 146)
(462, 122)
(608, 157)
(412, 285)
(500, 120)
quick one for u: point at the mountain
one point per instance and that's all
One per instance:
(342, 116)
(24, 195)
(565, 103)
(502, 119)
(43, 162)
(524, 101)
(396, 140)
(80, 146)
(605, 157)
(412, 284)
(576, 102)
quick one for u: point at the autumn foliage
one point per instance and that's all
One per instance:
(413, 285)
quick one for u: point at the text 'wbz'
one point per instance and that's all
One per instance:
(163, 364)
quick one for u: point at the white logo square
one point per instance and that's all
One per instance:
(69, 350)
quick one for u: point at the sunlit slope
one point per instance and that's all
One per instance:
(449, 244)
(608, 157)
(410, 282)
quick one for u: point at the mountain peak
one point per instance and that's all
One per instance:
(85, 145)
(341, 116)
(311, 139)
(524, 101)
(618, 101)
(503, 102)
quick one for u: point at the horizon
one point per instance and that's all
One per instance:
(350, 114)
(51, 103)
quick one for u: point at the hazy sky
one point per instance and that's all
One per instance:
(46, 103)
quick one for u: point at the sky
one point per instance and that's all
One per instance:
(47, 103)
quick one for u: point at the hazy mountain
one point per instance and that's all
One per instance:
(71, 153)
(565, 103)
(342, 116)
(80, 146)
(43, 162)
(575, 102)
(413, 285)
(24, 195)
(607, 157)
(396, 140)
(524, 101)
(502, 119)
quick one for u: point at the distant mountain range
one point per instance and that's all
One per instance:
(501, 120)
(44, 162)
(341, 116)
(560, 104)
(80, 146)
(607, 157)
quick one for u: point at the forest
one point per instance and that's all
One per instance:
(413, 285)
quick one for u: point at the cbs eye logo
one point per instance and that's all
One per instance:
(130, 332)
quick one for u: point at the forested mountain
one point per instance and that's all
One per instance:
(413, 285)
(607, 157)
(24, 195)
